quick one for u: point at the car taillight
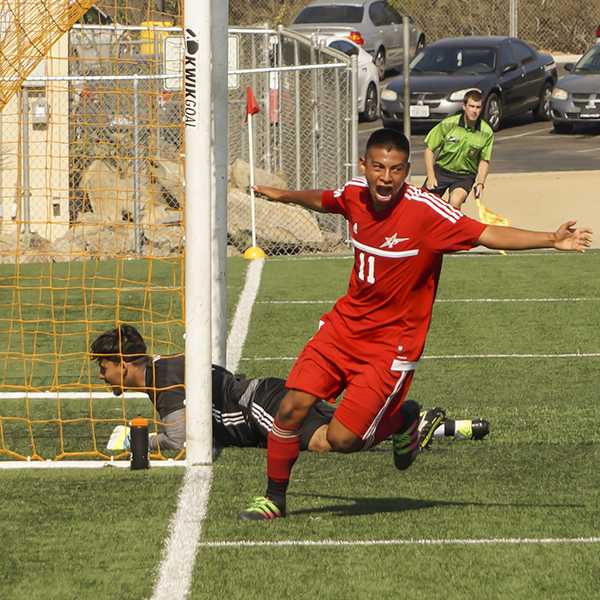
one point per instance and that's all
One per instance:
(357, 38)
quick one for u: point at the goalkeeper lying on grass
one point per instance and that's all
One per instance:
(243, 409)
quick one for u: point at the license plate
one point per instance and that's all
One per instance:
(589, 113)
(419, 111)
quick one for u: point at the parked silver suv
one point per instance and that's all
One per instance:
(373, 24)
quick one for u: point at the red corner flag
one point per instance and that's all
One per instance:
(251, 104)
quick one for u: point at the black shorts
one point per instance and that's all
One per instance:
(265, 398)
(450, 181)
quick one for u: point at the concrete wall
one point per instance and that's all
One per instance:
(543, 201)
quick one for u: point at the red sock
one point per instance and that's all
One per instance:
(283, 448)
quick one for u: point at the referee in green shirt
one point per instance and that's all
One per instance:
(458, 152)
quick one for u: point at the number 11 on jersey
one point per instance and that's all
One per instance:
(370, 267)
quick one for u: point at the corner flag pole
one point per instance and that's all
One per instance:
(199, 182)
(251, 109)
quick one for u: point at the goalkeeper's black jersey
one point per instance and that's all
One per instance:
(244, 410)
(165, 378)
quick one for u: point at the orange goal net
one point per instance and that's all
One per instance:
(91, 214)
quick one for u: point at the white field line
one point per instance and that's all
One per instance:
(453, 356)
(175, 573)
(450, 300)
(82, 464)
(409, 542)
(176, 567)
(241, 320)
(71, 395)
(472, 254)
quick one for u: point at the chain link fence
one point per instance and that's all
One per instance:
(552, 25)
(111, 121)
(302, 136)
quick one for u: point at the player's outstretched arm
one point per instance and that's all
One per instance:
(566, 237)
(307, 198)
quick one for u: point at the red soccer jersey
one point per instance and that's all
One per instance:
(386, 311)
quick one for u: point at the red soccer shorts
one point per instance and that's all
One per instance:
(373, 392)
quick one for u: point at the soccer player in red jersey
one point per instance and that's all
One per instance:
(370, 342)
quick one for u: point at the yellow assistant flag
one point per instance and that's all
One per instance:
(489, 217)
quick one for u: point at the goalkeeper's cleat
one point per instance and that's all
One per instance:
(262, 509)
(405, 442)
(119, 438)
(429, 421)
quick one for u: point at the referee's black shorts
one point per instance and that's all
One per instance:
(446, 180)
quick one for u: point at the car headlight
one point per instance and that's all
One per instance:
(389, 95)
(559, 94)
(458, 95)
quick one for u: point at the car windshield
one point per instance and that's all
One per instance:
(330, 14)
(450, 61)
(589, 62)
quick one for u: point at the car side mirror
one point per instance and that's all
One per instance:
(569, 66)
(509, 67)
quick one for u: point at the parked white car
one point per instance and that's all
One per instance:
(373, 24)
(368, 76)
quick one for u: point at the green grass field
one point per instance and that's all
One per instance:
(520, 362)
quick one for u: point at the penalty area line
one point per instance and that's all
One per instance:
(176, 567)
(408, 542)
(452, 300)
(453, 356)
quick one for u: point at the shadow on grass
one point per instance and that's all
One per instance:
(364, 505)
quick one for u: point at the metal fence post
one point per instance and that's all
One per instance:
(338, 133)
(314, 118)
(514, 18)
(354, 114)
(280, 97)
(136, 167)
(25, 175)
(297, 114)
(157, 85)
(406, 76)
(267, 105)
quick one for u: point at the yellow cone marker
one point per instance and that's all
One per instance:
(253, 253)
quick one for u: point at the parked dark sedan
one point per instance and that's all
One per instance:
(513, 77)
(576, 97)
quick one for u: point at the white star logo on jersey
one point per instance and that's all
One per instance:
(355, 227)
(391, 241)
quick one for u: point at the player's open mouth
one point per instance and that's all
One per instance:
(384, 193)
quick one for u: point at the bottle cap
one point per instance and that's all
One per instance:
(138, 422)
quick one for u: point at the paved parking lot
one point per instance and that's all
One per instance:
(522, 146)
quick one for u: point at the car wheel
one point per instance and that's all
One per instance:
(542, 111)
(492, 112)
(380, 63)
(563, 127)
(371, 111)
